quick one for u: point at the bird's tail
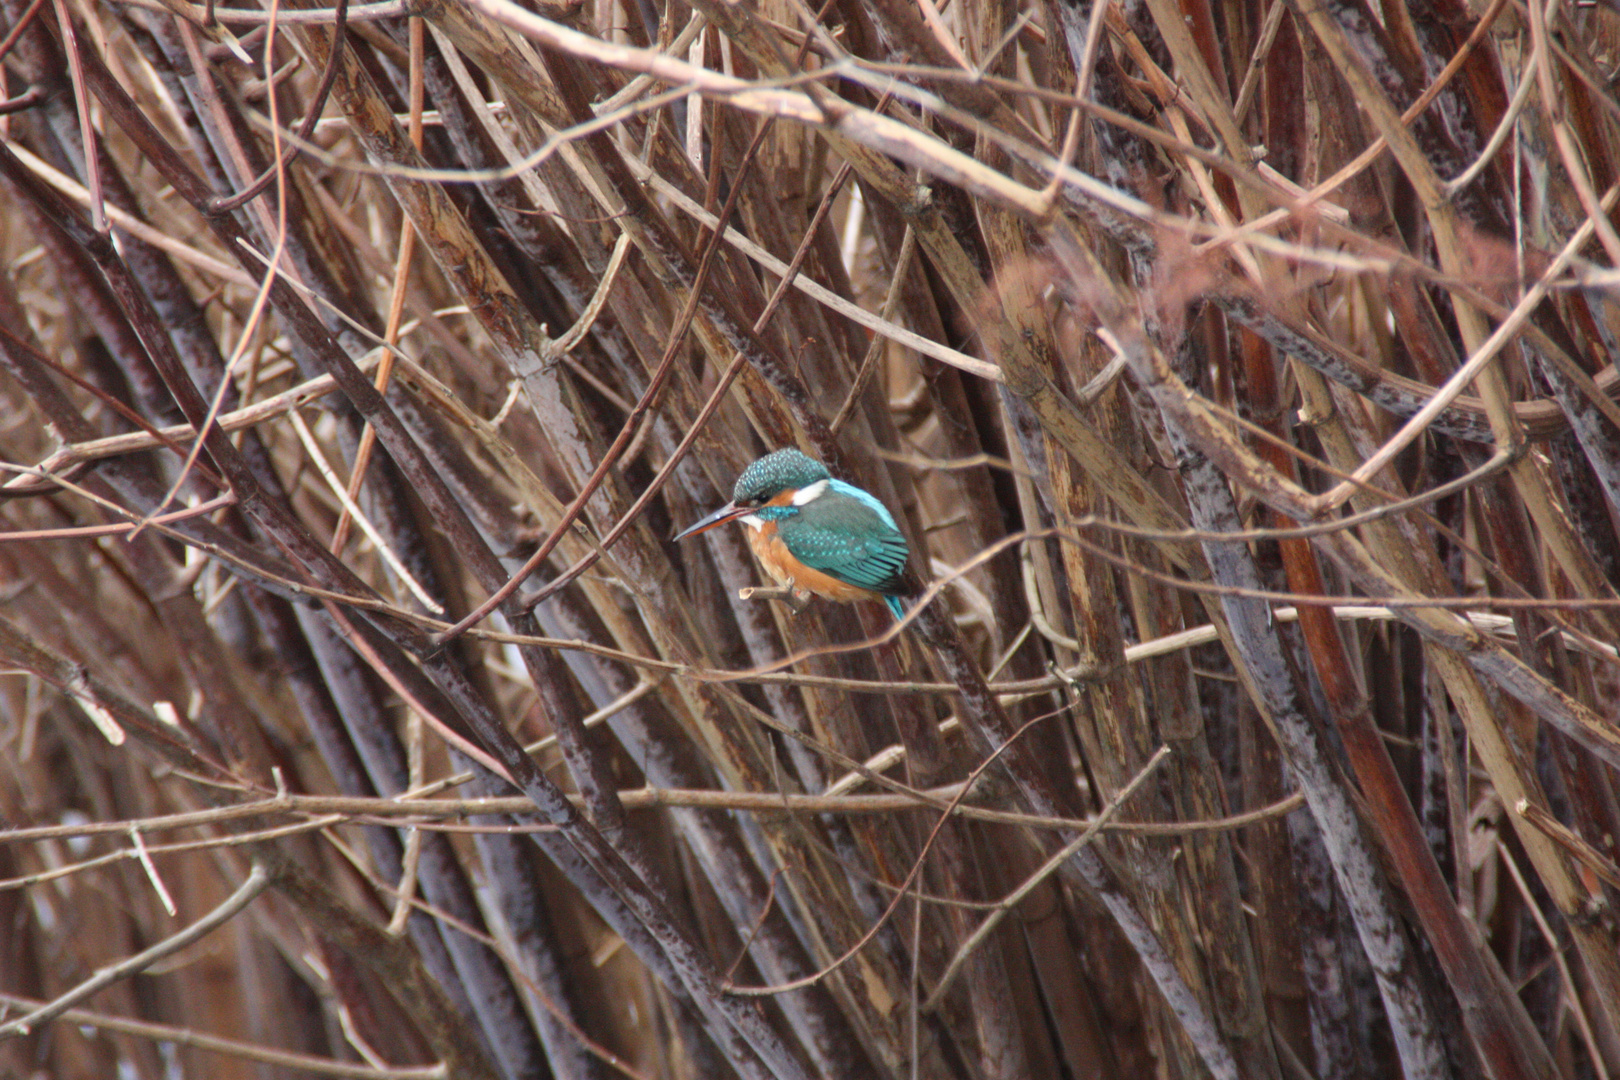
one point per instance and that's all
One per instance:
(896, 606)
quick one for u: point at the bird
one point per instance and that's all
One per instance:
(816, 534)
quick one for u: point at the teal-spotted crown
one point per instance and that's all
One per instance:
(775, 473)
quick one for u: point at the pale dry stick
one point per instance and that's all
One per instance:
(318, 302)
(981, 70)
(849, 243)
(879, 133)
(1046, 870)
(1082, 90)
(902, 269)
(691, 140)
(258, 87)
(215, 592)
(1329, 211)
(854, 312)
(87, 130)
(564, 345)
(57, 873)
(942, 32)
(875, 131)
(600, 716)
(99, 715)
(1582, 1022)
(235, 420)
(145, 859)
(1464, 374)
(638, 85)
(352, 1036)
(117, 528)
(882, 761)
(430, 118)
(387, 9)
(195, 19)
(406, 890)
(1504, 128)
(277, 805)
(987, 184)
(133, 225)
(559, 142)
(1482, 620)
(287, 1059)
(1037, 612)
(1375, 148)
(485, 111)
(328, 811)
(257, 881)
(335, 483)
(1569, 148)
(1213, 203)
(1257, 60)
(1571, 841)
(1008, 652)
(396, 299)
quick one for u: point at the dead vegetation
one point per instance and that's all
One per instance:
(1241, 374)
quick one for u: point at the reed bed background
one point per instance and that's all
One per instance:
(1241, 374)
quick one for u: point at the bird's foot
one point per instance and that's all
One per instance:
(795, 598)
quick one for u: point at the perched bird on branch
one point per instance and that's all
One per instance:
(817, 535)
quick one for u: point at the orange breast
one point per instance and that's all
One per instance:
(785, 570)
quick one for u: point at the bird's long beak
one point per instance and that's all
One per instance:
(729, 512)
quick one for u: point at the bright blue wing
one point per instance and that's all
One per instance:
(849, 538)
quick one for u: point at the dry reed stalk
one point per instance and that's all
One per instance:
(1147, 322)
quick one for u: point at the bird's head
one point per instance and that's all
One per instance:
(777, 479)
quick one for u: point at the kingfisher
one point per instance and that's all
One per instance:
(817, 534)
